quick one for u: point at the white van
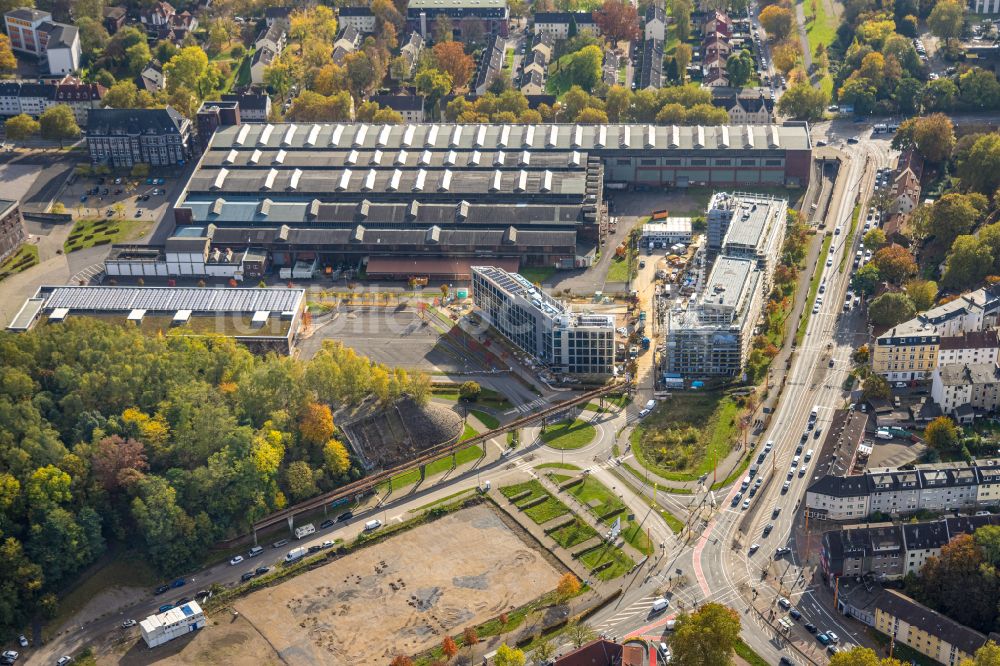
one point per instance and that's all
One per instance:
(883, 434)
(295, 554)
(660, 605)
(255, 551)
(746, 483)
(372, 525)
(304, 531)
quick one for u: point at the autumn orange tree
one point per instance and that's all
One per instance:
(470, 637)
(895, 263)
(316, 423)
(777, 21)
(401, 660)
(449, 647)
(452, 58)
(568, 586)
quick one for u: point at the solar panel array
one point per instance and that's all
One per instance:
(172, 299)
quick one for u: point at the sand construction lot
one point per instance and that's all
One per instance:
(399, 596)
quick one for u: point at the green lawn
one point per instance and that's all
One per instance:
(822, 29)
(537, 274)
(22, 260)
(849, 240)
(555, 465)
(101, 231)
(487, 397)
(487, 420)
(541, 513)
(746, 653)
(620, 400)
(686, 434)
(242, 77)
(618, 272)
(438, 466)
(824, 252)
(468, 433)
(569, 434)
(573, 534)
(620, 562)
(600, 501)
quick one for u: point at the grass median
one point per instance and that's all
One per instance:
(568, 434)
(800, 332)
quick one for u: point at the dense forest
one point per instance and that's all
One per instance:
(167, 444)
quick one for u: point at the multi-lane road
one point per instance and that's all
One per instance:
(712, 562)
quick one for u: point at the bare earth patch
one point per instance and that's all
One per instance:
(403, 595)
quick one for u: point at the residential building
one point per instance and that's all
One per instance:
(750, 226)
(410, 107)
(909, 351)
(123, 138)
(873, 550)
(263, 319)
(176, 622)
(558, 24)
(490, 64)
(360, 18)
(274, 15)
(56, 44)
(667, 232)
(35, 98)
(715, 77)
(905, 193)
(12, 234)
(712, 337)
(715, 50)
(532, 83)
(152, 79)
(493, 15)
(969, 347)
(255, 107)
(925, 630)
(651, 72)
(972, 386)
(745, 106)
(718, 22)
(536, 61)
(81, 97)
(656, 22)
(923, 540)
(845, 445)
(545, 43)
(349, 39)
(261, 60)
(534, 322)
(273, 38)
(935, 487)
(411, 51)
(114, 19)
(158, 14)
(602, 652)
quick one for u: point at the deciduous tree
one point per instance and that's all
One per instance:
(777, 21)
(451, 58)
(739, 67)
(803, 102)
(707, 636)
(875, 387)
(890, 309)
(448, 647)
(508, 656)
(618, 20)
(942, 434)
(946, 20)
(568, 586)
(969, 261)
(922, 293)
(316, 423)
(980, 168)
(894, 263)
(21, 127)
(579, 633)
(58, 123)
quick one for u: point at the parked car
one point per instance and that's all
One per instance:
(247, 576)
(161, 589)
(823, 638)
(327, 523)
(63, 660)
(262, 570)
(794, 613)
(810, 627)
(236, 560)
(9, 656)
(128, 623)
(165, 607)
(279, 543)
(347, 515)
(834, 638)
(754, 548)
(180, 582)
(784, 603)
(768, 528)
(22, 640)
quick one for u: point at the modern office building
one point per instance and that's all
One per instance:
(265, 320)
(174, 623)
(533, 321)
(667, 232)
(712, 336)
(749, 226)
(122, 138)
(33, 31)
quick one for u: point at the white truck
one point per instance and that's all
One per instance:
(295, 554)
(304, 531)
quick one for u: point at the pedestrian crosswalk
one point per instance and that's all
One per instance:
(527, 407)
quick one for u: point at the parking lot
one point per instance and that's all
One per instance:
(96, 197)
